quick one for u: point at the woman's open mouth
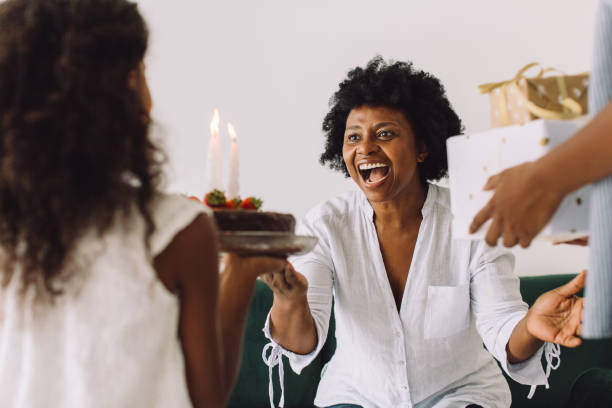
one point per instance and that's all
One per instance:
(373, 174)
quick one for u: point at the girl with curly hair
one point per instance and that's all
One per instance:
(110, 294)
(412, 306)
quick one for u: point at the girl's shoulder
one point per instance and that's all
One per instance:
(172, 213)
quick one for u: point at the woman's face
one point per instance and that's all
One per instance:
(381, 153)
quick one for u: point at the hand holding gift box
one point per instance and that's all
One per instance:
(473, 159)
(524, 98)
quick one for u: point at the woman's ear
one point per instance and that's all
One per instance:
(422, 155)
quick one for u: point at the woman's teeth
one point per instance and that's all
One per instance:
(373, 172)
(368, 166)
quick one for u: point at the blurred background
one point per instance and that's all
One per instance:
(271, 66)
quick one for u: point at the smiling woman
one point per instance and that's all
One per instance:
(381, 152)
(407, 298)
(414, 99)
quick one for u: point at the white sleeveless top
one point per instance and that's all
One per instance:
(111, 339)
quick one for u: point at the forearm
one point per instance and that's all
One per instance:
(292, 325)
(585, 158)
(235, 295)
(522, 344)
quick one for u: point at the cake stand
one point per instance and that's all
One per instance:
(267, 243)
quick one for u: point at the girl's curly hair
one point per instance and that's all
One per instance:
(397, 85)
(74, 146)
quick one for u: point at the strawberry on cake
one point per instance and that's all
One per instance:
(244, 215)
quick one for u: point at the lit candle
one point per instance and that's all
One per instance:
(232, 181)
(213, 161)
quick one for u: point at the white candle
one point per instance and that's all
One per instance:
(232, 181)
(213, 160)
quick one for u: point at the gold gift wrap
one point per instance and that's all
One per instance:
(522, 98)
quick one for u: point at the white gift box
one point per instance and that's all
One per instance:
(472, 159)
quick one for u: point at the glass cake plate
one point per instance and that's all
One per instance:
(272, 243)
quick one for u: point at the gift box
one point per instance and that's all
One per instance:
(472, 159)
(523, 99)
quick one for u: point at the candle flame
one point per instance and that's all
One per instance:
(232, 132)
(214, 123)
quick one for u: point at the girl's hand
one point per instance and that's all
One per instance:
(288, 285)
(556, 316)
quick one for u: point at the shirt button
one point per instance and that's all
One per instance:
(405, 387)
(401, 362)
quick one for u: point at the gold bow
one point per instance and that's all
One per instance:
(571, 108)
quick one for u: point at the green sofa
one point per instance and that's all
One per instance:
(251, 389)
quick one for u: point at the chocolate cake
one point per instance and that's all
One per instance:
(247, 220)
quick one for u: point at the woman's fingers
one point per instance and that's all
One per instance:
(290, 275)
(286, 282)
(283, 278)
(569, 335)
(266, 278)
(279, 284)
(572, 287)
(573, 328)
(571, 342)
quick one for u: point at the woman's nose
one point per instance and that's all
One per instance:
(367, 146)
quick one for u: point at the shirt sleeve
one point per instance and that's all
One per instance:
(498, 306)
(317, 267)
(172, 214)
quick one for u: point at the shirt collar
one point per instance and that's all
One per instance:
(432, 196)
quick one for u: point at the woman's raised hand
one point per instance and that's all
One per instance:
(556, 316)
(287, 284)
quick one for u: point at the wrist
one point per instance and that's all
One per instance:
(522, 343)
(289, 304)
(554, 177)
(526, 325)
(529, 327)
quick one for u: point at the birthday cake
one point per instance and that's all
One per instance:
(244, 215)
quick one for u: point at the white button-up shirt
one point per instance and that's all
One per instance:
(458, 294)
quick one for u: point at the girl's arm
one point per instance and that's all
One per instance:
(212, 316)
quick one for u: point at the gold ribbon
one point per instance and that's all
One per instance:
(571, 108)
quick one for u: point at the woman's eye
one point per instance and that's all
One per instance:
(352, 137)
(386, 134)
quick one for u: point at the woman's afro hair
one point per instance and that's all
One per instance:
(397, 85)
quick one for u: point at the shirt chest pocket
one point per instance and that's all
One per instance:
(447, 311)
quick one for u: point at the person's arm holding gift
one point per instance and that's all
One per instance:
(526, 196)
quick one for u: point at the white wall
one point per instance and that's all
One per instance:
(271, 66)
